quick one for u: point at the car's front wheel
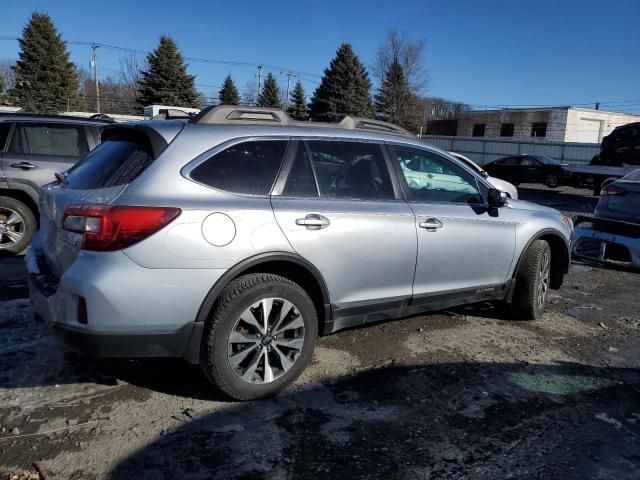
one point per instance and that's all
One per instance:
(532, 282)
(260, 337)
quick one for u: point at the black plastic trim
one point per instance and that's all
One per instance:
(130, 345)
(254, 261)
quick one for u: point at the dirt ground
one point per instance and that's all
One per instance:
(465, 393)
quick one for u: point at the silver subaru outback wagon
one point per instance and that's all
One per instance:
(234, 239)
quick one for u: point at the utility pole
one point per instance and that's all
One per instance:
(286, 102)
(259, 79)
(94, 64)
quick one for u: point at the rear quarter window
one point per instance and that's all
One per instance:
(248, 168)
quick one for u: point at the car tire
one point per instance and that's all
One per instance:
(16, 235)
(238, 317)
(551, 180)
(532, 282)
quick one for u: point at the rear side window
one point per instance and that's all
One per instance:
(351, 170)
(49, 139)
(248, 168)
(114, 162)
(4, 133)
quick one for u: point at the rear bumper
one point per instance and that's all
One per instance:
(132, 311)
(607, 241)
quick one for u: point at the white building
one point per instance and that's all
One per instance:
(557, 124)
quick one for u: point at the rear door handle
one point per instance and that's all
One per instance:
(431, 224)
(23, 165)
(313, 221)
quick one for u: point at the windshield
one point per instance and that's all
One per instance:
(633, 176)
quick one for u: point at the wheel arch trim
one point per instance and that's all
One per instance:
(255, 261)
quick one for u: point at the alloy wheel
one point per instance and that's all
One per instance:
(544, 279)
(12, 227)
(266, 340)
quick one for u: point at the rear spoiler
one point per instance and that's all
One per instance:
(156, 135)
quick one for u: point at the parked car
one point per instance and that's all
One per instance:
(233, 239)
(519, 169)
(620, 147)
(33, 148)
(501, 185)
(612, 235)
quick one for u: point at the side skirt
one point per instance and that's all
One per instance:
(354, 315)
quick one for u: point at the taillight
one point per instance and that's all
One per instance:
(612, 189)
(108, 228)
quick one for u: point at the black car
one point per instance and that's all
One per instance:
(33, 148)
(529, 169)
(620, 147)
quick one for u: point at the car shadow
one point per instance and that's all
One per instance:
(450, 420)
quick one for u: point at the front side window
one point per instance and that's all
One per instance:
(432, 178)
(355, 170)
(248, 168)
(49, 139)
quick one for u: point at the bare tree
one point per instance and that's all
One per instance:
(250, 94)
(410, 54)
(131, 67)
(7, 73)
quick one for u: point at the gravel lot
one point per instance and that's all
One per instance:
(464, 393)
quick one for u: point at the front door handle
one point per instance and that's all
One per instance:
(23, 165)
(313, 221)
(431, 224)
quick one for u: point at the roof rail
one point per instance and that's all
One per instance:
(233, 114)
(351, 122)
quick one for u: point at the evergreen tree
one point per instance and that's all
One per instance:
(43, 71)
(228, 94)
(394, 96)
(344, 89)
(270, 94)
(166, 81)
(298, 108)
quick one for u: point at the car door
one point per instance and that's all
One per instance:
(340, 209)
(36, 151)
(506, 169)
(462, 244)
(531, 170)
(5, 129)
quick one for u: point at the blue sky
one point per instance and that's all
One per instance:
(486, 53)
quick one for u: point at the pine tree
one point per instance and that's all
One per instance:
(270, 94)
(166, 81)
(344, 89)
(228, 94)
(298, 108)
(394, 96)
(43, 71)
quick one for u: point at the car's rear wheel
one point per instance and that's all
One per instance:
(17, 225)
(551, 180)
(260, 337)
(532, 282)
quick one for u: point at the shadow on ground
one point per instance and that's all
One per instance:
(421, 421)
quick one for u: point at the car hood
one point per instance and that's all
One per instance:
(524, 205)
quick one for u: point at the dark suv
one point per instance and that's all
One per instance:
(32, 149)
(622, 146)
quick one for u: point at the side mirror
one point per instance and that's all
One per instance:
(497, 198)
(484, 174)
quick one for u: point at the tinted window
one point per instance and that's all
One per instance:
(249, 167)
(114, 162)
(529, 162)
(508, 161)
(300, 182)
(50, 139)
(432, 178)
(350, 170)
(5, 127)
